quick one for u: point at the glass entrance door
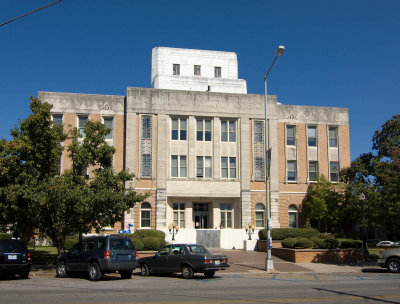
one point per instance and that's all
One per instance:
(200, 215)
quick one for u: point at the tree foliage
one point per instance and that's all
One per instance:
(377, 175)
(323, 202)
(33, 193)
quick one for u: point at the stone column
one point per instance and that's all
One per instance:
(243, 158)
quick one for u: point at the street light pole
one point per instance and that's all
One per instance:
(269, 265)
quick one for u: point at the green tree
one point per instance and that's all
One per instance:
(34, 194)
(323, 202)
(377, 175)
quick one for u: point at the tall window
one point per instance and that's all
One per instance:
(312, 171)
(179, 129)
(312, 136)
(58, 120)
(228, 130)
(291, 135)
(258, 131)
(145, 215)
(228, 167)
(204, 167)
(203, 131)
(176, 69)
(82, 119)
(226, 215)
(146, 126)
(291, 170)
(197, 70)
(259, 173)
(146, 165)
(333, 135)
(108, 123)
(260, 215)
(334, 171)
(292, 216)
(258, 150)
(179, 214)
(178, 166)
(217, 72)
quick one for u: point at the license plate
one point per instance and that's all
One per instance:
(12, 256)
(217, 262)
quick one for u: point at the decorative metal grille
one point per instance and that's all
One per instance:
(146, 146)
(258, 150)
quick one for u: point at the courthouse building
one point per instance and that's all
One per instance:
(195, 142)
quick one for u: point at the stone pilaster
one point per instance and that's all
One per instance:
(161, 209)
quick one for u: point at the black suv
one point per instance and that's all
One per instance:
(14, 258)
(98, 255)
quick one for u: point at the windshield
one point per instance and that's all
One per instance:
(12, 246)
(198, 249)
(121, 244)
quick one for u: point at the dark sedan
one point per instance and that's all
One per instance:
(185, 258)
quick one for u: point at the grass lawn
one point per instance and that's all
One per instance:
(43, 255)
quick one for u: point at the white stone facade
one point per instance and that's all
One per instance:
(199, 153)
(175, 69)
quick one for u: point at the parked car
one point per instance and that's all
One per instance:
(390, 259)
(99, 255)
(384, 244)
(14, 258)
(185, 258)
(396, 244)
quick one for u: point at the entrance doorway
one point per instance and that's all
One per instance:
(200, 215)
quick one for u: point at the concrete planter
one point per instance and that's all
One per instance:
(313, 255)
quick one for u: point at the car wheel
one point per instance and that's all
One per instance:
(61, 270)
(144, 270)
(94, 272)
(394, 265)
(209, 274)
(187, 272)
(24, 275)
(126, 274)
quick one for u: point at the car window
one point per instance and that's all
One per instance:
(164, 251)
(12, 245)
(198, 249)
(90, 245)
(121, 244)
(101, 243)
(177, 250)
(77, 246)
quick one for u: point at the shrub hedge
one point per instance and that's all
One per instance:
(141, 234)
(348, 243)
(6, 236)
(284, 233)
(289, 243)
(304, 243)
(151, 243)
(326, 236)
(331, 244)
(138, 244)
(141, 242)
(318, 242)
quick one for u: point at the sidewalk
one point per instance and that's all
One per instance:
(254, 262)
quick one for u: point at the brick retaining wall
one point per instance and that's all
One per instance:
(314, 255)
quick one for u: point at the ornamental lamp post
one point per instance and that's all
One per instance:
(174, 228)
(250, 230)
(364, 227)
(269, 265)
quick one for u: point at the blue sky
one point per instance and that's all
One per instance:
(343, 53)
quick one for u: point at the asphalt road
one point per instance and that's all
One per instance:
(224, 288)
